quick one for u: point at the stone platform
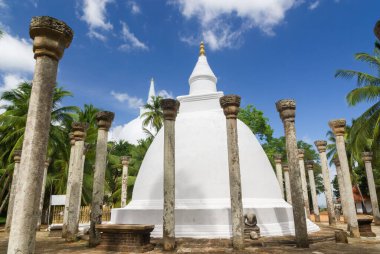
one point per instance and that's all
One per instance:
(126, 238)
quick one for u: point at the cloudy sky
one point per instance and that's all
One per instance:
(262, 50)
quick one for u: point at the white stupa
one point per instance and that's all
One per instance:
(134, 130)
(201, 176)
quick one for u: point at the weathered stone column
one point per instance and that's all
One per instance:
(321, 146)
(338, 127)
(14, 189)
(287, 110)
(367, 159)
(104, 121)
(79, 132)
(277, 160)
(285, 167)
(301, 154)
(313, 190)
(50, 38)
(170, 108)
(124, 180)
(342, 190)
(46, 166)
(68, 185)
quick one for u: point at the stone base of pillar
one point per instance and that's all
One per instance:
(365, 226)
(125, 238)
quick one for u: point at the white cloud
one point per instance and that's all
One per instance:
(135, 8)
(217, 18)
(10, 81)
(95, 15)
(133, 102)
(16, 54)
(314, 5)
(165, 94)
(131, 41)
(3, 4)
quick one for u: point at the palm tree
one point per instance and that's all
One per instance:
(153, 115)
(365, 132)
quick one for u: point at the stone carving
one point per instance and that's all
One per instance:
(170, 108)
(287, 109)
(230, 105)
(125, 160)
(17, 156)
(104, 119)
(79, 130)
(309, 165)
(321, 145)
(338, 126)
(250, 221)
(301, 154)
(277, 158)
(46, 22)
(367, 156)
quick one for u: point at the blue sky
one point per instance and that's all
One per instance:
(261, 50)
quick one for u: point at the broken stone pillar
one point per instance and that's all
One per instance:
(343, 201)
(313, 190)
(367, 159)
(124, 180)
(230, 105)
(170, 108)
(104, 120)
(321, 146)
(50, 38)
(285, 167)
(68, 185)
(338, 127)
(14, 189)
(287, 110)
(73, 213)
(301, 154)
(277, 160)
(46, 166)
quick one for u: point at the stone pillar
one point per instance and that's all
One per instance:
(14, 189)
(170, 108)
(377, 30)
(321, 146)
(46, 166)
(301, 162)
(230, 105)
(73, 213)
(285, 167)
(50, 38)
(338, 127)
(342, 190)
(313, 190)
(104, 120)
(367, 159)
(287, 110)
(124, 180)
(277, 160)
(68, 185)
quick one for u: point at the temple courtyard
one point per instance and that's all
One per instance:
(321, 242)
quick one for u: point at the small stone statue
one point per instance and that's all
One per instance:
(338, 211)
(251, 229)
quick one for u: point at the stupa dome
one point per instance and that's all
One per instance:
(133, 131)
(202, 195)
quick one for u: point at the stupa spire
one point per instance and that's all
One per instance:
(152, 91)
(202, 79)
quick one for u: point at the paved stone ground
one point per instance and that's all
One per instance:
(321, 243)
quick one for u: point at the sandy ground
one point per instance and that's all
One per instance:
(321, 242)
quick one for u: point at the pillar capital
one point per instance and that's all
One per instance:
(338, 126)
(377, 30)
(336, 162)
(301, 154)
(104, 119)
(285, 167)
(50, 36)
(72, 138)
(277, 158)
(169, 108)
(287, 109)
(17, 156)
(79, 130)
(367, 156)
(125, 160)
(321, 145)
(230, 104)
(309, 164)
